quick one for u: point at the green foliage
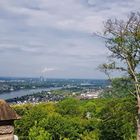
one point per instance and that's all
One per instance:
(53, 124)
(69, 106)
(120, 87)
(21, 110)
(36, 113)
(93, 135)
(38, 133)
(118, 120)
(108, 119)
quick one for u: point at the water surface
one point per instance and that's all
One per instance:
(19, 93)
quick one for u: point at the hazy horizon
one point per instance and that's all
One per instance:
(65, 78)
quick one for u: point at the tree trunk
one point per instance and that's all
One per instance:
(137, 88)
(138, 120)
(138, 104)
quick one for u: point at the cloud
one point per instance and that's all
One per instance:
(56, 33)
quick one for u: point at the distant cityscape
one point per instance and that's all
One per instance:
(78, 88)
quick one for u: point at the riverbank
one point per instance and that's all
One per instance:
(20, 93)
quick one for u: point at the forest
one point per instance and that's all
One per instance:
(106, 118)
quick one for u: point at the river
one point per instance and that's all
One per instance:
(19, 93)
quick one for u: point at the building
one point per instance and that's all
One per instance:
(7, 117)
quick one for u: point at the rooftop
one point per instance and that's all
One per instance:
(6, 112)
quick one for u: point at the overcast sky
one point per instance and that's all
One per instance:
(54, 37)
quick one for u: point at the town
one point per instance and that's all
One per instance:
(57, 95)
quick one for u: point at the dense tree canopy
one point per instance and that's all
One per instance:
(100, 119)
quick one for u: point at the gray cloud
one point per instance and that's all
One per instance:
(40, 34)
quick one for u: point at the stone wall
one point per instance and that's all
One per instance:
(6, 132)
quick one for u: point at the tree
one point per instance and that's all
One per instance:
(69, 106)
(120, 88)
(36, 113)
(123, 41)
(118, 120)
(107, 68)
(38, 133)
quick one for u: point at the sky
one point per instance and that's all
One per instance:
(55, 38)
